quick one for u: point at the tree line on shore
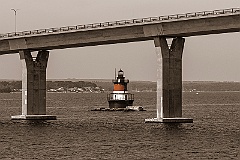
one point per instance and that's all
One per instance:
(16, 86)
(10, 86)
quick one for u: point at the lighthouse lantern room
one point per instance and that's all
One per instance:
(120, 98)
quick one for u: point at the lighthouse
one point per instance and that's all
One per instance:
(120, 98)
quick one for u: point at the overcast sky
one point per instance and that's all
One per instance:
(207, 58)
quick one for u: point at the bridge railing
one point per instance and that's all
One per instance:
(123, 22)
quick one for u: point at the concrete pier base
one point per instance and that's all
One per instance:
(169, 120)
(34, 117)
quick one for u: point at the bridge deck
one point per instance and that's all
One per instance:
(179, 25)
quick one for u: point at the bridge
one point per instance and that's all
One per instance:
(158, 29)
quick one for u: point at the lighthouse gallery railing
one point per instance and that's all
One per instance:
(113, 96)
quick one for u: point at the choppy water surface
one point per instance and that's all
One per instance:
(83, 134)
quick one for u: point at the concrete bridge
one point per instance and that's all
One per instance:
(158, 29)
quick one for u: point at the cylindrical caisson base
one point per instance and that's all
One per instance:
(120, 103)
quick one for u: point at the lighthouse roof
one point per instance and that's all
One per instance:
(120, 73)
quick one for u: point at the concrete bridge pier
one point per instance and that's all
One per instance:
(169, 81)
(34, 86)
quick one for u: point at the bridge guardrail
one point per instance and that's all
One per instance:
(122, 22)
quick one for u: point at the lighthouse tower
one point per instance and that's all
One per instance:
(120, 98)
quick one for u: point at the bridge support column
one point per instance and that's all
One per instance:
(34, 86)
(169, 81)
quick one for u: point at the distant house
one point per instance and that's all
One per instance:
(61, 89)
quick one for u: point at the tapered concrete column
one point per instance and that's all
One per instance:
(172, 77)
(169, 80)
(34, 85)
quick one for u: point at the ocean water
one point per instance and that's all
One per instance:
(79, 133)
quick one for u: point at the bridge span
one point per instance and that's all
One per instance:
(179, 25)
(169, 59)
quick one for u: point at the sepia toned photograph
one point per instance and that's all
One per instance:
(119, 80)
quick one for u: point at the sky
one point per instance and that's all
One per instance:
(205, 58)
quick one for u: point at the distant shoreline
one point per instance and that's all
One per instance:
(106, 85)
